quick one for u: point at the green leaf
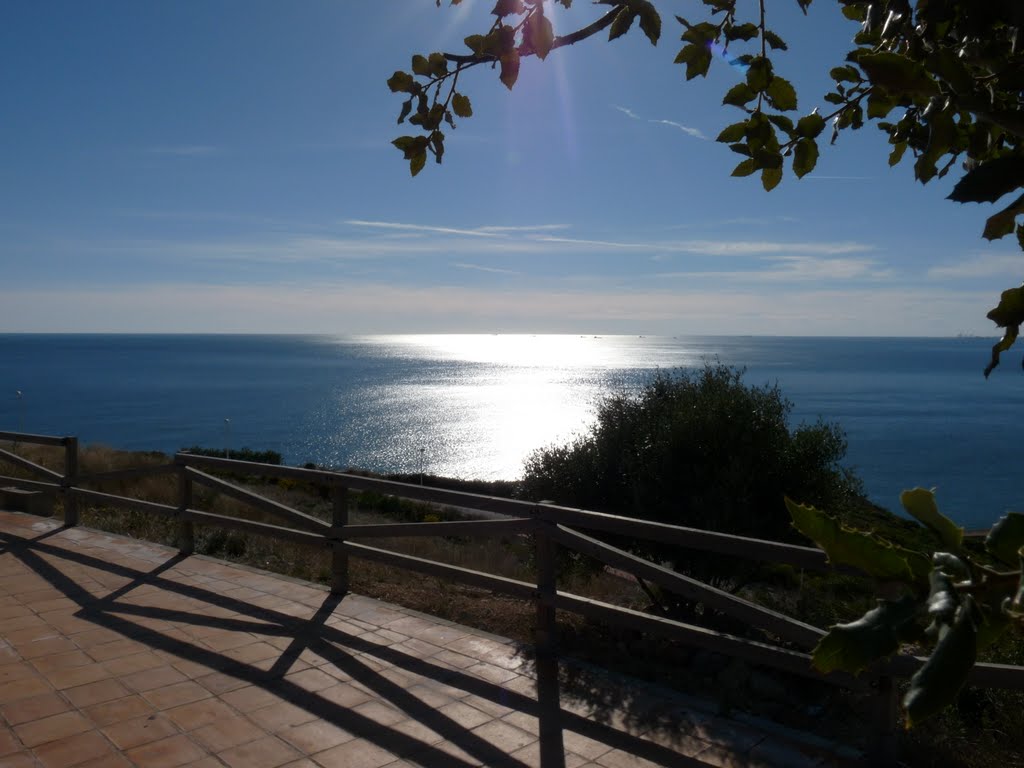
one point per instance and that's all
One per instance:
(805, 157)
(540, 34)
(759, 74)
(810, 126)
(847, 546)
(936, 684)
(623, 21)
(745, 168)
(1002, 223)
(989, 181)
(845, 74)
(406, 109)
(475, 43)
(739, 95)
(783, 123)
(898, 74)
(746, 31)
(438, 64)
(504, 8)
(650, 20)
(942, 599)
(897, 153)
(920, 503)
(1006, 538)
(770, 178)
(509, 68)
(880, 104)
(421, 65)
(401, 82)
(732, 133)
(776, 42)
(855, 646)
(781, 93)
(417, 161)
(461, 106)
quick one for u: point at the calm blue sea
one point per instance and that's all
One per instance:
(916, 411)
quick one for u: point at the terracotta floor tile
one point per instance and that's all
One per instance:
(175, 695)
(280, 716)
(218, 683)
(464, 715)
(96, 693)
(115, 649)
(227, 733)
(250, 697)
(166, 753)
(23, 760)
(23, 689)
(505, 737)
(51, 728)
(47, 645)
(311, 680)
(315, 736)
(112, 760)
(344, 695)
(75, 676)
(380, 713)
(8, 743)
(188, 717)
(33, 708)
(148, 679)
(141, 730)
(73, 750)
(119, 710)
(268, 752)
(136, 662)
(358, 753)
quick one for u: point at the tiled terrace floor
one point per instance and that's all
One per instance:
(115, 652)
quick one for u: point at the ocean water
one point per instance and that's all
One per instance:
(915, 411)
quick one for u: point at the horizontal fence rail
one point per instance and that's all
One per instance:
(546, 525)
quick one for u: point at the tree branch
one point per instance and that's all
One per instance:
(590, 30)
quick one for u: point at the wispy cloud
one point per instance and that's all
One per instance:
(983, 265)
(793, 269)
(482, 268)
(395, 225)
(724, 247)
(695, 132)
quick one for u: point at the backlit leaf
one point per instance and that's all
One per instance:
(847, 546)
(461, 105)
(509, 68)
(1006, 538)
(1002, 223)
(898, 74)
(540, 34)
(989, 181)
(623, 21)
(810, 126)
(781, 93)
(739, 95)
(650, 20)
(936, 684)
(855, 646)
(770, 178)
(920, 503)
(733, 132)
(805, 157)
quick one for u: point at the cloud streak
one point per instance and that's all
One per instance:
(689, 131)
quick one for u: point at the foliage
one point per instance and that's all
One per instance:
(943, 79)
(698, 449)
(964, 601)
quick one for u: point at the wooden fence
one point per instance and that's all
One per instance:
(550, 526)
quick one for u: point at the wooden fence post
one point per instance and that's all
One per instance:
(70, 478)
(186, 529)
(552, 751)
(339, 557)
(885, 747)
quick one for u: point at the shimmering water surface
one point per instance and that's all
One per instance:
(916, 411)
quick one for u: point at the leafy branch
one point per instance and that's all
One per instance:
(950, 598)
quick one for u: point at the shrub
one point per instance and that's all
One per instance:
(697, 448)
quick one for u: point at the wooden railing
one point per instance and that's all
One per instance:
(549, 525)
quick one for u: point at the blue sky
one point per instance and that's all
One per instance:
(225, 166)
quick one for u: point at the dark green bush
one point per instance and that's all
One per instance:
(701, 449)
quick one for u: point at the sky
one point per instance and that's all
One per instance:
(225, 166)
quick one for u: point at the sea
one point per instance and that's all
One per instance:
(916, 411)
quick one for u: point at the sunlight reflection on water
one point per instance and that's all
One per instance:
(477, 406)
